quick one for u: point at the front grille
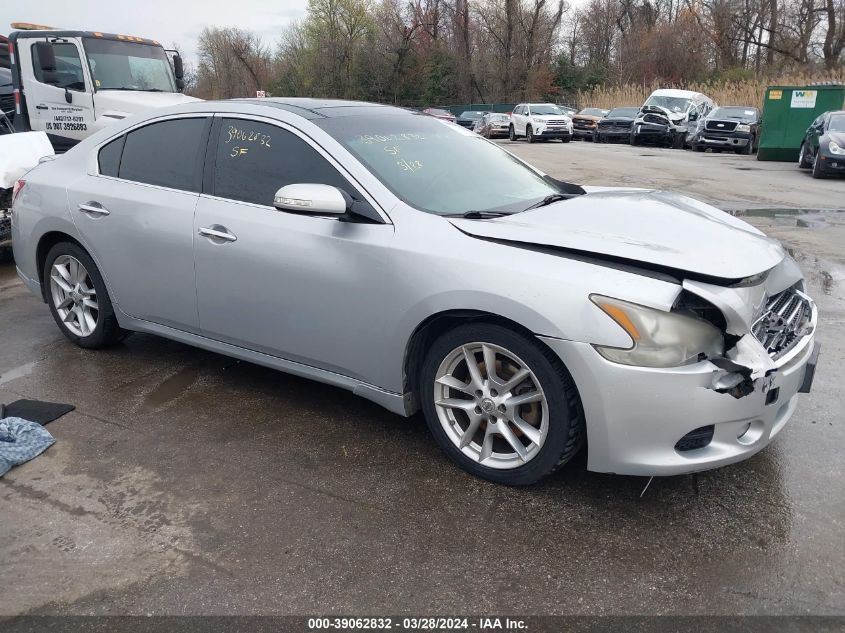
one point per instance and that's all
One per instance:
(698, 438)
(785, 320)
(720, 126)
(656, 119)
(7, 103)
(556, 122)
(583, 123)
(615, 125)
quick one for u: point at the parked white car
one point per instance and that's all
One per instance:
(667, 115)
(540, 121)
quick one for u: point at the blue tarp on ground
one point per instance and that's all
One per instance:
(20, 441)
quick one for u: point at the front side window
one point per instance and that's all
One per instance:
(117, 65)
(68, 71)
(436, 167)
(167, 154)
(253, 160)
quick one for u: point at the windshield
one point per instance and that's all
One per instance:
(673, 104)
(436, 167)
(742, 114)
(128, 66)
(837, 123)
(544, 109)
(624, 112)
(593, 112)
(471, 115)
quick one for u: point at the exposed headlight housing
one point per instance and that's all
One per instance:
(743, 127)
(659, 339)
(835, 148)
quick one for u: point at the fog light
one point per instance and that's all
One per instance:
(750, 432)
(743, 431)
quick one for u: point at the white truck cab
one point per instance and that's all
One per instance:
(70, 84)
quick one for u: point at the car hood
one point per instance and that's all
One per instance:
(132, 101)
(838, 137)
(550, 117)
(659, 228)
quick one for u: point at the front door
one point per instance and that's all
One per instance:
(277, 282)
(136, 218)
(59, 98)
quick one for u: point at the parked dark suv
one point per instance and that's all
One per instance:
(616, 125)
(823, 147)
(734, 128)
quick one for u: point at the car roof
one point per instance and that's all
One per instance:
(311, 108)
(672, 92)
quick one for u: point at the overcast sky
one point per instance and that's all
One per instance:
(168, 21)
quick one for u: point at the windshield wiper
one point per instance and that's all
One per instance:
(478, 215)
(555, 197)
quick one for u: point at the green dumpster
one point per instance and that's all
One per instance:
(788, 112)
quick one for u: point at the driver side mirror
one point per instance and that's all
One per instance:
(312, 199)
(179, 72)
(46, 57)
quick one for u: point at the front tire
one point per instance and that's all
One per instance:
(529, 134)
(511, 133)
(512, 425)
(633, 139)
(818, 172)
(78, 299)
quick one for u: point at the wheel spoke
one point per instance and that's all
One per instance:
(506, 432)
(472, 367)
(64, 304)
(73, 270)
(530, 431)
(456, 403)
(486, 445)
(525, 398)
(466, 438)
(61, 282)
(514, 380)
(453, 383)
(490, 363)
(91, 304)
(63, 272)
(88, 318)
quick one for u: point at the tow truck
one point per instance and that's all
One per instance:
(69, 84)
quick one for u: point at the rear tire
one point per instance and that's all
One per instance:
(554, 423)
(78, 298)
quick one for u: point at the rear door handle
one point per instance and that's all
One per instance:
(94, 209)
(215, 231)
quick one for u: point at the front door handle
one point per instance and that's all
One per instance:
(94, 209)
(217, 232)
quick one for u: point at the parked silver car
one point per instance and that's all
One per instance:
(423, 267)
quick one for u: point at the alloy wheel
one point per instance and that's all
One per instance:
(491, 405)
(74, 296)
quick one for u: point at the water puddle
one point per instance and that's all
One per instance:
(801, 218)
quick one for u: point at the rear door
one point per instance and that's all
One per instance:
(136, 217)
(59, 99)
(277, 282)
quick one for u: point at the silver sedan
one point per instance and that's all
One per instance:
(423, 267)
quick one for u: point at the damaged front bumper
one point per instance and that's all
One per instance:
(636, 416)
(669, 421)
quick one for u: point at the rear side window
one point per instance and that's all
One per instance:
(109, 158)
(167, 154)
(253, 160)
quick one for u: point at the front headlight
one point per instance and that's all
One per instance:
(835, 148)
(659, 339)
(743, 127)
